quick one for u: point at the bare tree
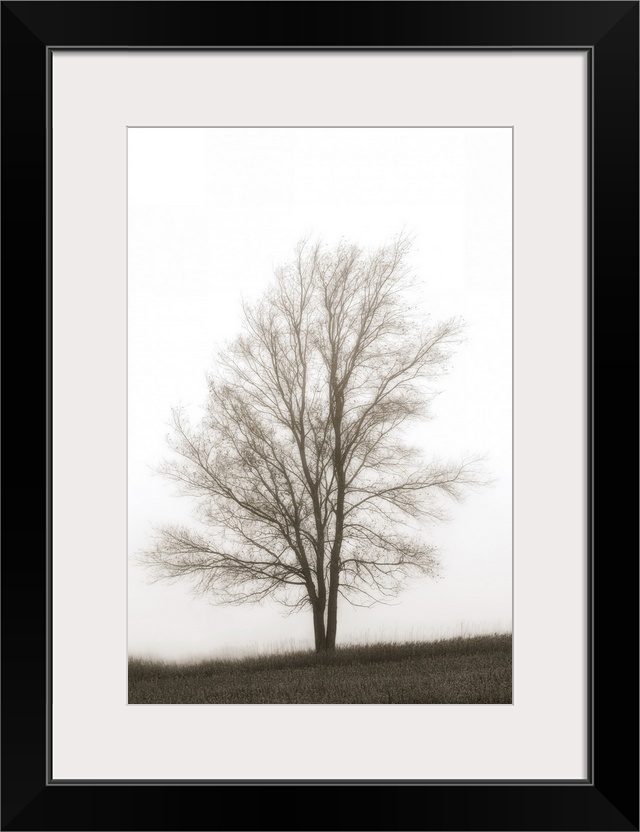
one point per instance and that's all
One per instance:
(305, 487)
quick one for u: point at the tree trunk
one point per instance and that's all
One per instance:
(334, 567)
(318, 628)
(334, 563)
(332, 614)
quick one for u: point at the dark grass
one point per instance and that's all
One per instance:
(466, 670)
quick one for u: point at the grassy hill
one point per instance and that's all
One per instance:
(468, 670)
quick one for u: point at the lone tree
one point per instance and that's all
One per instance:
(305, 487)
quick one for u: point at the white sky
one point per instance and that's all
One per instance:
(211, 212)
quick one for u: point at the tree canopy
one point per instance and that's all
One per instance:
(306, 488)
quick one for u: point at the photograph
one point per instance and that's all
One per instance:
(320, 403)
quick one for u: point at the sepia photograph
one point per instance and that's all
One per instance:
(320, 343)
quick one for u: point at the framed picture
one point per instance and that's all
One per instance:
(433, 199)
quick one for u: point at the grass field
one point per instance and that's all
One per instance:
(468, 670)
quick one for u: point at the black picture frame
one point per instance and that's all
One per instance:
(608, 798)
